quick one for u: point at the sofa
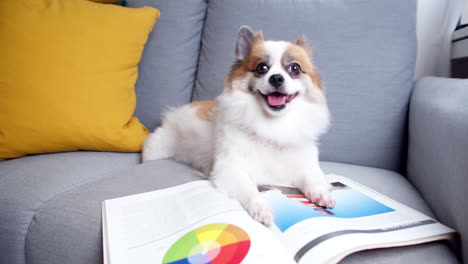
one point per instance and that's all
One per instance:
(399, 125)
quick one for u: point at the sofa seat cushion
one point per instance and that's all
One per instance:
(28, 183)
(68, 228)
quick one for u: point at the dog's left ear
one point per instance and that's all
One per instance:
(245, 40)
(302, 42)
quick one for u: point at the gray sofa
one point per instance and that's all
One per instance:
(394, 130)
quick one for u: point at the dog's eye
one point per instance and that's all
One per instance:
(262, 68)
(294, 69)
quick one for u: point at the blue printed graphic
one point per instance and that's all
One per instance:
(290, 206)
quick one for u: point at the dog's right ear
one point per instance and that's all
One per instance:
(245, 40)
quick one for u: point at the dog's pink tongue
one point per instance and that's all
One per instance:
(276, 99)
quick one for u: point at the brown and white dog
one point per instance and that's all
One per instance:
(262, 129)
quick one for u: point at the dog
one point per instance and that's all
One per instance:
(262, 129)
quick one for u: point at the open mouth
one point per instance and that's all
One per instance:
(277, 101)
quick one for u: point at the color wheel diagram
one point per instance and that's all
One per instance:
(210, 244)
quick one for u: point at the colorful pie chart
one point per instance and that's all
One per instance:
(210, 244)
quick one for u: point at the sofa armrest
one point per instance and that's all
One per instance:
(438, 149)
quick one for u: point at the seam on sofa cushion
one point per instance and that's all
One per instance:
(199, 52)
(44, 203)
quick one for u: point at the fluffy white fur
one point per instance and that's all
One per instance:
(244, 142)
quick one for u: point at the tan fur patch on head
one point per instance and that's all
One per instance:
(303, 56)
(204, 109)
(240, 68)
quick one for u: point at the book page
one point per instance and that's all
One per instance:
(362, 219)
(192, 223)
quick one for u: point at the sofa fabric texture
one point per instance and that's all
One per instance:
(438, 149)
(79, 220)
(169, 63)
(364, 50)
(26, 184)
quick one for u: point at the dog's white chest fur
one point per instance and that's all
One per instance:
(270, 150)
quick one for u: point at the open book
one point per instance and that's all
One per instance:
(194, 223)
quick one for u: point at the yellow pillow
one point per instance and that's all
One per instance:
(105, 1)
(67, 75)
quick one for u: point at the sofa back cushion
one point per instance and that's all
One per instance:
(169, 63)
(365, 51)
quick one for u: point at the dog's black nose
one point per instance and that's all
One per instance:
(276, 80)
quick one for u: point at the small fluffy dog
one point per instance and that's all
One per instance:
(262, 129)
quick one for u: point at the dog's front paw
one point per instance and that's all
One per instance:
(259, 209)
(320, 196)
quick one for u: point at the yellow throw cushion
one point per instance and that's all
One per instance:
(105, 1)
(67, 76)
